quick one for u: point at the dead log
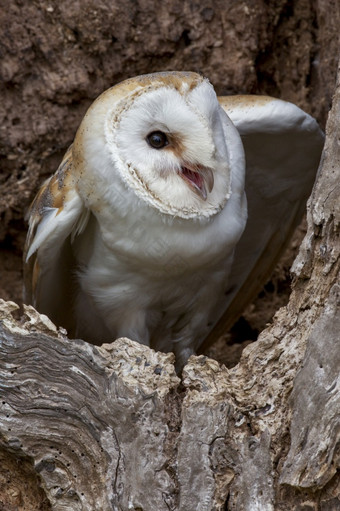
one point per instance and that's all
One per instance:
(113, 427)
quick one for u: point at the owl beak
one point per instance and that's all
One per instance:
(200, 179)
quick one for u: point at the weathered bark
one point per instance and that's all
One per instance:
(113, 428)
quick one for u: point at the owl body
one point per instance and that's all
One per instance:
(149, 265)
(181, 267)
(136, 233)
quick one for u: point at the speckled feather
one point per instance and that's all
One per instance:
(52, 194)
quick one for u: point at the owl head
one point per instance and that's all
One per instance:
(162, 136)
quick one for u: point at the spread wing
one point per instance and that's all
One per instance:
(56, 215)
(283, 147)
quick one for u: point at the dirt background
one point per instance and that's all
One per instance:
(56, 57)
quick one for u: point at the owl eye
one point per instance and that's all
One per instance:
(157, 139)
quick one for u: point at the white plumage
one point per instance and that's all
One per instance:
(138, 233)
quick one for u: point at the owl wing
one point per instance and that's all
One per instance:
(283, 147)
(56, 215)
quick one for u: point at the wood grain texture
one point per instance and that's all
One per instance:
(95, 432)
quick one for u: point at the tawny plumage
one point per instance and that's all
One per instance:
(143, 231)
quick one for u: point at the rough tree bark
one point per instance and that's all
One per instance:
(113, 428)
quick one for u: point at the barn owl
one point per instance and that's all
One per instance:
(144, 230)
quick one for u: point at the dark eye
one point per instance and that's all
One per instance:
(157, 139)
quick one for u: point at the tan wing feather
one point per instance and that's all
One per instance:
(55, 213)
(283, 146)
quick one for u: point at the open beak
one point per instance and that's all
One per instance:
(199, 178)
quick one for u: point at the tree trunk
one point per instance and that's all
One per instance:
(114, 428)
